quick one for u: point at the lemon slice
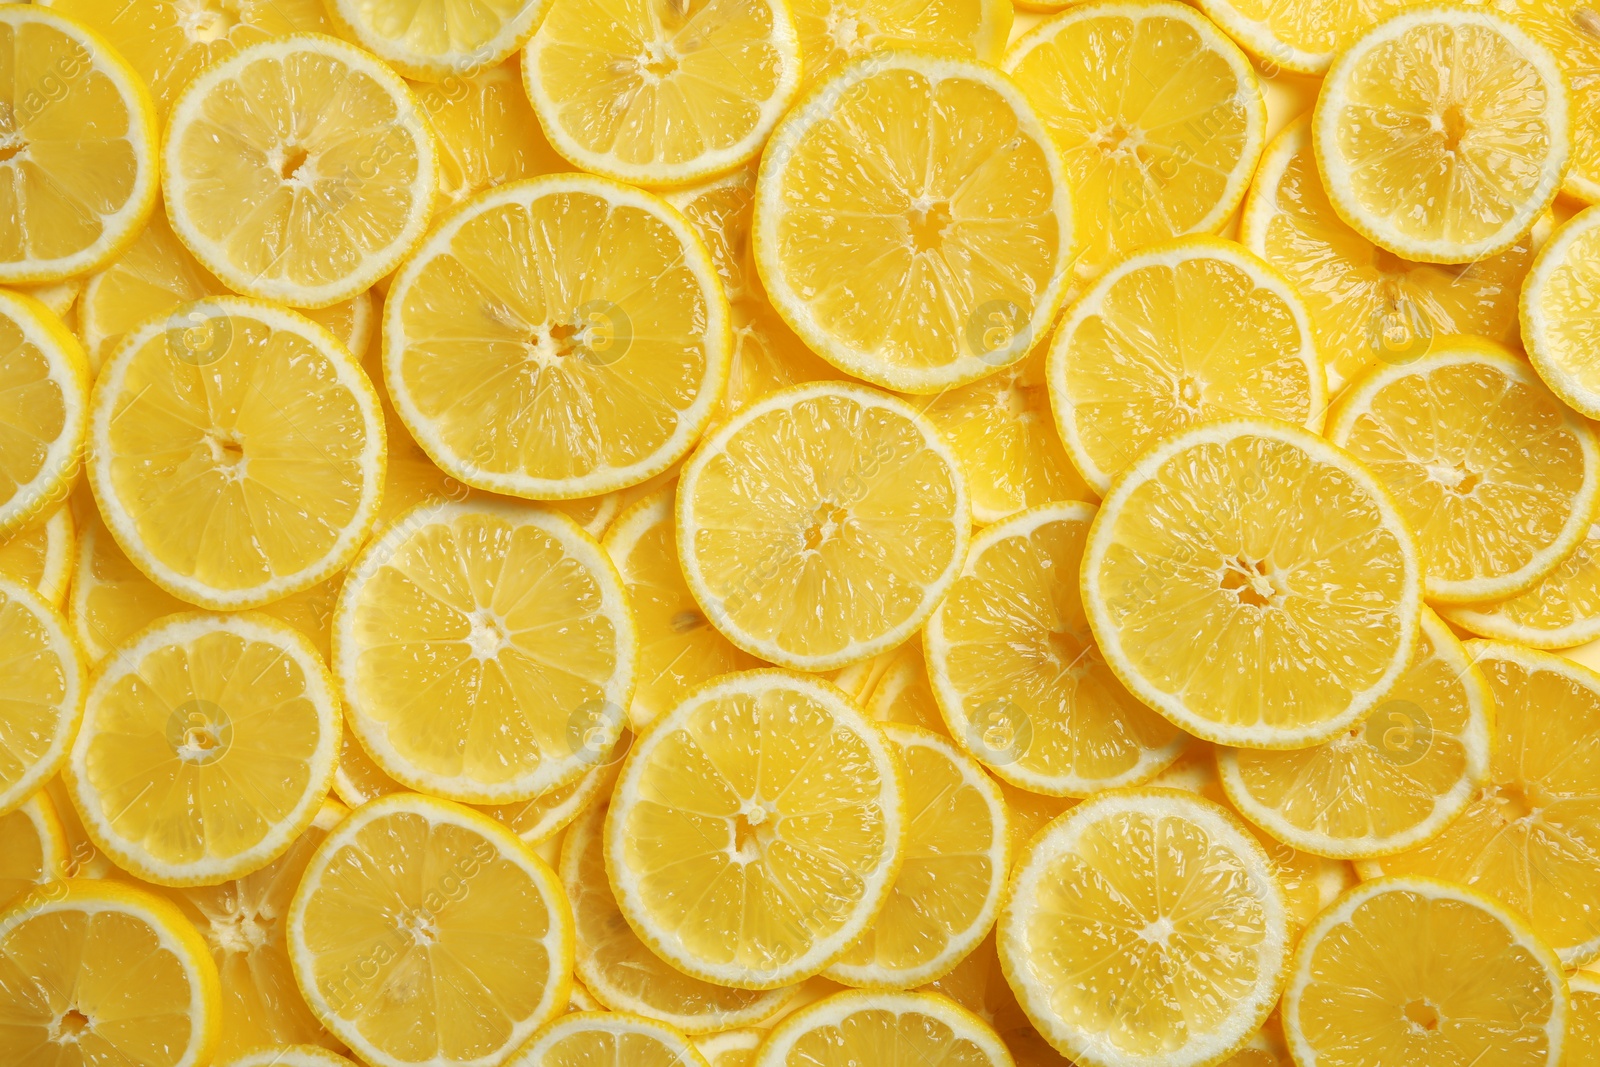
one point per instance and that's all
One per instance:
(41, 556)
(1405, 970)
(1367, 305)
(678, 648)
(1570, 29)
(904, 694)
(1499, 481)
(835, 32)
(1016, 672)
(621, 971)
(1560, 312)
(291, 1056)
(1560, 610)
(42, 683)
(44, 401)
(78, 142)
(1583, 1024)
(1158, 116)
(979, 985)
(1527, 838)
(448, 41)
(486, 131)
(1004, 435)
(1242, 544)
(60, 297)
(1441, 134)
(1189, 331)
(486, 651)
(821, 525)
(860, 1027)
(207, 746)
(559, 337)
(1266, 1048)
(930, 183)
(238, 452)
(33, 847)
(734, 1048)
(716, 815)
(424, 930)
(1302, 36)
(580, 1039)
(315, 204)
(957, 860)
(94, 972)
(242, 923)
(1396, 780)
(1145, 924)
(668, 94)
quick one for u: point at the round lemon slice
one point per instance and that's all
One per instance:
(669, 94)
(717, 813)
(861, 1027)
(1528, 837)
(486, 651)
(1441, 134)
(42, 679)
(1145, 926)
(447, 41)
(621, 971)
(44, 411)
(97, 972)
(558, 337)
(1302, 36)
(184, 774)
(1560, 610)
(1408, 970)
(1395, 780)
(1158, 116)
(1017, 674)
(238, 452)
(423, 925)
(1240, 548)
(821, 525)
(930, 183)
(78, 141)
(33, 846)
(41, 556)
(1367, 305)
(316, 203)
(486, 130)
(1189, 331)
(1560, 312)
(1499, 481)
(583, 1038)
(835, 32)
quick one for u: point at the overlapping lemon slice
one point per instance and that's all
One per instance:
(1302, 36)
(486, 131)
(859, 1027)
(1560, 610)
(41, 555)
(1560, 313)
(583, 1038)
(42, 684)
(834, 32)
(444, 41)
(903, 694)
(734, 1048)
(979, 985)
(33, 847)
(1570, 29)
(290, 1056)
(1583, 1024)
(44, 402)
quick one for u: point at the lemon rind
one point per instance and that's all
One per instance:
(75, 683)
(430, 68)
(1536, 324)
(830, 1011)
(69, 370)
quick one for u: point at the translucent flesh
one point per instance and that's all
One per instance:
(1531, 837)
(1401, 955)
(1446, 115)
(904, 693)
(412, 912)
(1560, 610)
(1367, 304)
(32, 848)
(1309, 25)
(264, 735)
(1487, 468)
(34, 400)
(1175, 345)
(475, 645)
(486, 321)
(312, 223)
(40, 555)
(1570, 30)
(1152, 122)
(1583, 1033)
(243, 470)
(606, 1047)
(951, 214)
(621, 970)
(979, 985)
(823, 523)
(758, 896)
(659, 82)
(34, 686)
(834, 32)
(487, 132)
(78, 161)
(1021, 660)
(448, 30)
(1569, 303)
(907, 1038)
(1332, 617)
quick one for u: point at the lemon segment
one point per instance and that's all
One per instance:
(1189, 331)
(1145, 926)
(860, 1027)
(821, 525)
(119, 969)
(583, 1038)
(33, 847)
(42, 684)
(1560, 610)
(558, 337)
(1017, 674)
(239, 457)
(930, 183)
(1408, 970)
(1441, 134)
(1560, 313)
(298, 170)
(1158, 116)
(1239, 544)
(423, 931)
(41, 556)
(44, 402)
(1499, 481)
(834, 33)
(716, 815)
(447, 41)
(486, 131)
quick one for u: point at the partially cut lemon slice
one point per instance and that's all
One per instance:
(582, 1039)
(42, 685)
(1560, 312)
(441, 41)
(903, 694)
(1583, 1025)
(487, 132)
(33, 847)
(1570, 29)
(1302, 36)
(1242, 550)
(835, 32)
(887, 1028)
(41, 556)
(44, 411)
(1560, 610)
